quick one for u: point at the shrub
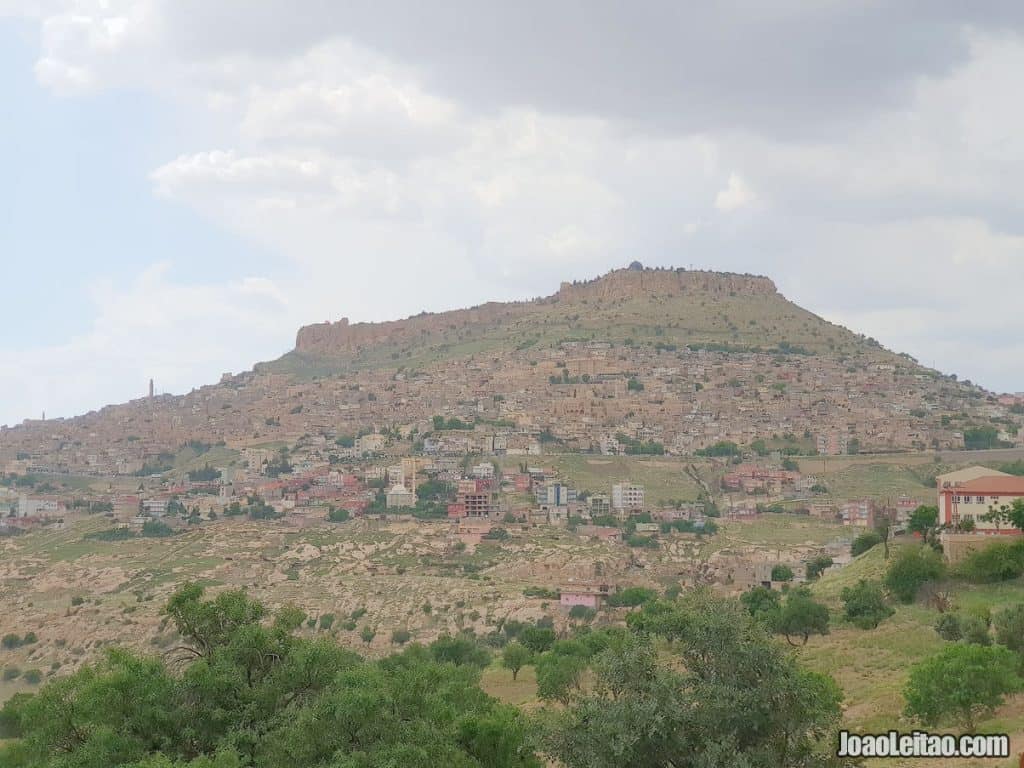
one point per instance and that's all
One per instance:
(582, 613)
(782, 573)
(32, 676)
(401, 636)
(632, 597)
(1009, 626)
(864, 604)
(29, 639)
(999, 561)
(11, 641)
(327, 621)
(911, 568)
(76, 600)
(864, 542)
(10, 673)
(948, 627)
(337, 515)
(974, 630)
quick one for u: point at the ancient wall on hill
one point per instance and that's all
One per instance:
(341, 337)
(626, 283)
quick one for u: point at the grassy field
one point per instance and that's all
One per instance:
(663, 477)
(872, 666)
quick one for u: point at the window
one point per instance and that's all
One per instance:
(979, 499)
(956, 499)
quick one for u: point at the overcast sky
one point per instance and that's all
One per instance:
(186, 182)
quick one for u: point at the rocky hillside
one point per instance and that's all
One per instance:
(659, 306)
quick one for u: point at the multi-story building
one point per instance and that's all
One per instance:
(974, 499)
(627, 497)
(555, 495)
(859, 513)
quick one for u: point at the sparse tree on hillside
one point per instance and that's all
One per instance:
(961, 682)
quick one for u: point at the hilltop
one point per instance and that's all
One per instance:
(658, 306)
(653, 361)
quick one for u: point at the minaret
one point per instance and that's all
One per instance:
(150, 389)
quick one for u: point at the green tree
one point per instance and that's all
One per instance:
(460, 649)
(1008, 513)
(514, 657)
(763, 604)
(961, 683)
(910, 569)
(558, 675)
(923, 519)
(801, 616)
(537, 639)
(864, 604)
(726, 695)
(817, 566)
(782, 573)
(336, 515)
(631, 597)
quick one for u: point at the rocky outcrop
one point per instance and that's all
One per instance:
(343, 338)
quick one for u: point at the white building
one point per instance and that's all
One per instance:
(484, 470)
(400, 496)
(35, 507)
(627, 497)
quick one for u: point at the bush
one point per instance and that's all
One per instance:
(337, 515)
(29, 639)
(1009, 626)
(76, 600)
(974, 630)
(401, 636)
(948, 627)
(817, 566)
(645, 542)
(631, 597)
(327, 621)
(910, 569)
(543, 592)
(864, 542)
(782, 573)
(460, 649)
(32, 676)
(582, 613)
(865, 604)
(998, 561)
(11, 641)
(10, 673)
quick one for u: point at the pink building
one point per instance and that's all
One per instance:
(587, 595)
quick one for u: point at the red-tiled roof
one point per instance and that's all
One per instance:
(994, 484)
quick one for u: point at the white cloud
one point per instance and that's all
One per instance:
(383, 193)
(153, 327)
(735, 195)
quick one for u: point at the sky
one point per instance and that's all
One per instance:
(185, 183)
